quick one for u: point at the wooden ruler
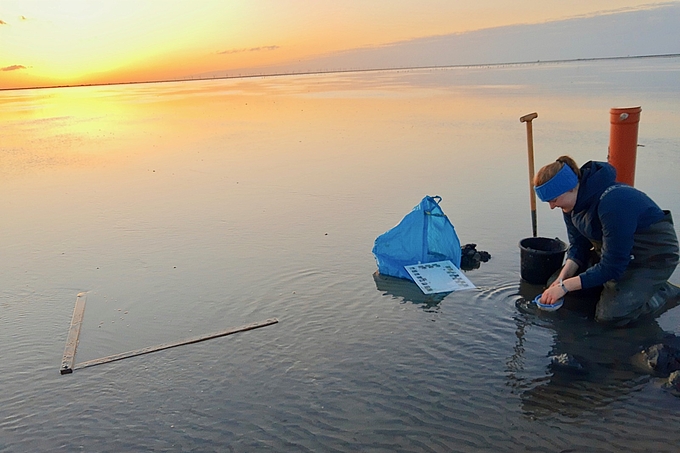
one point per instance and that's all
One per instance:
(73, 333)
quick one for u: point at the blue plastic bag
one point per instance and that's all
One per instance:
(423, 236)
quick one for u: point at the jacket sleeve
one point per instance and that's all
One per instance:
(619, 223)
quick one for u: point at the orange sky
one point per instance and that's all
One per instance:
(51, 42)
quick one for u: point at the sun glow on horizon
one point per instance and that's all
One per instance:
(105, 41)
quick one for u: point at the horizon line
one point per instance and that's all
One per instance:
(346, 71)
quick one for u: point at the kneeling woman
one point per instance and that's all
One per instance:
(634, 239)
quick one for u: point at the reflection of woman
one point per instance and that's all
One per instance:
(633, 238)
(587, 360)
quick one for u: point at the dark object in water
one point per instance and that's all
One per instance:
(540, 258)
(662, 359)
(471, 258)
(674, 381)
(567, 362)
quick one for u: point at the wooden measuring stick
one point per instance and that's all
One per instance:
(160, 347)
(73, 333)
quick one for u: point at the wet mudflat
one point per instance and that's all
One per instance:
(188, 208)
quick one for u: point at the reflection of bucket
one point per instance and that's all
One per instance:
(540, 258)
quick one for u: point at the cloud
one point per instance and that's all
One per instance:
(252, 49)
(14, 67)
(637, 32)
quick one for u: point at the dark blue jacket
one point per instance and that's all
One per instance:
(610, 220)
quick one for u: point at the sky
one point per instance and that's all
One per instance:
(70, 42)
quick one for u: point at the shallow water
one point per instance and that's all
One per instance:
(188, 208)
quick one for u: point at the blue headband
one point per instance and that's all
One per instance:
(562, 182)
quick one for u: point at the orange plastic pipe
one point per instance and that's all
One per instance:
(623, 136)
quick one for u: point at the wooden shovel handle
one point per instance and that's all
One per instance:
(529, 117)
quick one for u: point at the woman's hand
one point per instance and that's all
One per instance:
(552, 294)
(559, 288)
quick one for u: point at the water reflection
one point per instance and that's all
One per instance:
(408, 291)
(590, 365)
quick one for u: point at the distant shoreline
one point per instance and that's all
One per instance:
(345, 71)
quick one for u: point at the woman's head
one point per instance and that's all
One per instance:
(557, 183)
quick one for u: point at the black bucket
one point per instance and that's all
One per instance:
(540, 258)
